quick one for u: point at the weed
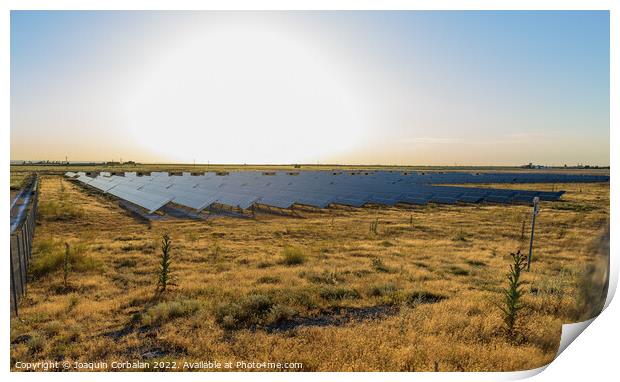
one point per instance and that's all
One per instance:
(476, 263)
(250, 311)
(280, 313)
(293, 256)
(164, 277)
(379, 266)
(144, 247)
(268, 280)
(36, 343)
(130, 263)
(569, 206)
(512, 295)
(72, 303)
(383, 290)
(49, 258)
(166, 311)
(333, 293)
(457, 271)
(59, 211)
(417, 297)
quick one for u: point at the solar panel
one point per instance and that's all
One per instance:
(283, 189)
(149, 201)
(84, 179)
(102, 184)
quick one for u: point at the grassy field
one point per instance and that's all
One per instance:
(385, 289)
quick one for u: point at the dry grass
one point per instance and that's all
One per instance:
(437, 280)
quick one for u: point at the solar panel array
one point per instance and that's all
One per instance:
(319, 188)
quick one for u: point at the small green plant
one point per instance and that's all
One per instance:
(164, 277)
(249, 311)
(36, 343)
(330, 293)
(293, 256)
(411, 221)
(512, 294)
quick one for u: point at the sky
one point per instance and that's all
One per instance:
(348, 87)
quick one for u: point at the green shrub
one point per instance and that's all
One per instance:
(281, 313)
(293, 256)
(145, 247)
(59, 210)
(49, 256)
(423, 297)
(169, 310)
(333, 293)
(383, 290)
(268, 280)
(476, 263)
(36, 343)
(249, 311)
(569, 206)
(457, 271)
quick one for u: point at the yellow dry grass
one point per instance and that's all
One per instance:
(461, 253)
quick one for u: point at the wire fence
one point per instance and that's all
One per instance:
(23, 222)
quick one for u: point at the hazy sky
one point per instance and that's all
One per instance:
(407, 87)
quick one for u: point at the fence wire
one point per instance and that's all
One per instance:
(23, 222)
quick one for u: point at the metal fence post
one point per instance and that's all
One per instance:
(534, 213)
(21, 242)
(14, 294)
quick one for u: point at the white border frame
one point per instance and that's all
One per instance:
(600, 346)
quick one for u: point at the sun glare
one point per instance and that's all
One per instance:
(250, 93)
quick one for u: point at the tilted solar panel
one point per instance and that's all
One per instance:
(149, 201)
(85, 179)
(283, 189)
